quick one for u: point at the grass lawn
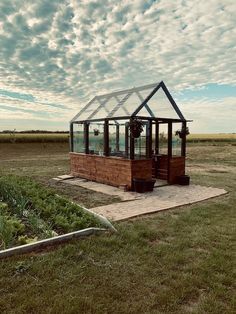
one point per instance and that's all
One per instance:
(178, 261)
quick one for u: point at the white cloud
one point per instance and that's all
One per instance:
(210, 116)
(65, 51)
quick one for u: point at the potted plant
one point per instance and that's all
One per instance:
(96, 132)
(183, 132)
(136, 127)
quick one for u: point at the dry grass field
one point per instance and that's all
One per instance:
(178, 261)
(34, 138)
(213, 136)
(63, 137)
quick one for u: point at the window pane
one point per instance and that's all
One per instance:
(140, 144)
(96, 138)
(117, 139)
(163, 139)
(78, 138)
(176, 140)
(161, 106)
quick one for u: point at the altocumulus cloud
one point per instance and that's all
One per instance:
(55, 55)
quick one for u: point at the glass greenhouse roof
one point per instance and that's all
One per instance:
(153, 100)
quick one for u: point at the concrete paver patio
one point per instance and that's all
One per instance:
(161, 198)
(135, 204)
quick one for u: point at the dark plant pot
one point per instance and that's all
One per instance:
(139, 185)
(149, 185)
(183, 180)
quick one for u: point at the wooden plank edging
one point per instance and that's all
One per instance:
(27, 248)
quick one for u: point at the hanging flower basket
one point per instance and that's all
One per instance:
(136, 127)
(183, 132)
(96, 132)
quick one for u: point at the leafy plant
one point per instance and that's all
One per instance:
(96, 132)
(6, 232)
(25, 240)
(136, 127)
(162, 137)
(183, 132)
(36, 211)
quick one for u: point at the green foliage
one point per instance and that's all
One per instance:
(10, 227)
(16, 225)
(25, 240)
(6, 232)
(44, 212)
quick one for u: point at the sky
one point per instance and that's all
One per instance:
(56, 55)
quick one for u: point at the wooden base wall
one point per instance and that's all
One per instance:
(110, 170)
(176, 167)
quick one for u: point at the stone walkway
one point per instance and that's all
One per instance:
(135, 204)
(161, 198)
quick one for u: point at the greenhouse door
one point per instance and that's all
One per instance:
(160, 155)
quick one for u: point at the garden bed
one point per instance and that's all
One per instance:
(30, 212)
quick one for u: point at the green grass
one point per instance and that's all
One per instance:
(178, 261)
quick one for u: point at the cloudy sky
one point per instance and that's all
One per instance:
(56, 55)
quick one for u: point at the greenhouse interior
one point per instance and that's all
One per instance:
(133, 134)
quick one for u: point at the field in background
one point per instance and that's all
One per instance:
(177, 261)
(33, 138)
(63, 137)
(217, 137)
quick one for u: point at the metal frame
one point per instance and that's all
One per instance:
(102, 100)
(164, 120)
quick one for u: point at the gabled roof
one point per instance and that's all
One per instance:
(153, 100)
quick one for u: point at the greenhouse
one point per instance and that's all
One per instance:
(137, 133)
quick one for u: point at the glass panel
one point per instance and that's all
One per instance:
(140, 144)
(144, 113)
(110, 104)
(117, 139)
(176, 140)
(163, 139)
(120, 108)
(96, 138)
(113, 140)
(100, 113)
(87, 111)
(161, 106)
(78, 138)
(146, 92)
(129, 106)
(122, 149)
